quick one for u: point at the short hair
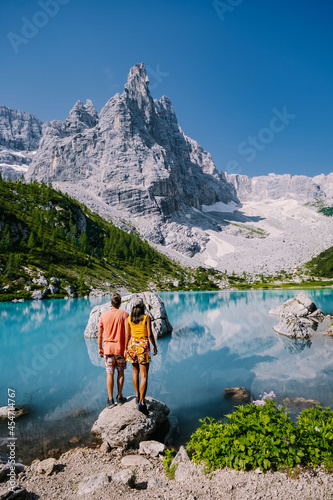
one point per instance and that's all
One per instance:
(116, 300)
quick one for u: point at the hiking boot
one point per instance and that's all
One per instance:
(143, 408)
(110, 403)
(121, 400)
(137, 399)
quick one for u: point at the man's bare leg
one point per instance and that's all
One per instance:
(120, 382)
(110, 383)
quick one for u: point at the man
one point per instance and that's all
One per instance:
(112, 324)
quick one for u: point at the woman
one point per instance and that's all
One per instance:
(137, 349)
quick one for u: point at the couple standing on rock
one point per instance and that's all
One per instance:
(126, 338)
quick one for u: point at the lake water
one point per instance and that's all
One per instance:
(220, 339)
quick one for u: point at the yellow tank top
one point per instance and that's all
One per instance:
(138, 330)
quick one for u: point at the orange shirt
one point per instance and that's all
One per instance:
(112, 324)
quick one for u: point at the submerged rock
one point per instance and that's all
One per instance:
(154, 307)
(238, 394)
(124, 426)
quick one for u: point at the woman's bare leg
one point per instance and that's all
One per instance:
(136, 378)
(144, 381)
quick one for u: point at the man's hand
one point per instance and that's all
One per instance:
(155, 350)
(101, 353)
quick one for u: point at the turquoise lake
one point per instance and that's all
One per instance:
(220, 340)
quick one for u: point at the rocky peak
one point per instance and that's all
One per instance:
(137, 95)
(19, 130)
(81, 117)
(90, 108)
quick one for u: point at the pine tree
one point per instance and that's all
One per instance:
(31, 241)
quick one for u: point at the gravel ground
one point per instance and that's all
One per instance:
(151, 482)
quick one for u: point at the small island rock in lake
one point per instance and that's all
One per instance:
(124, 426)
(300, 318)
(154, 307)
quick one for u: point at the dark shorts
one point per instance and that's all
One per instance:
(138, 351)
(113, 361)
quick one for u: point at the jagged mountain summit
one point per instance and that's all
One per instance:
(133, 163)
(135, 158)
(20, 134)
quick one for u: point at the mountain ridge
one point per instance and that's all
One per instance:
(133, 163)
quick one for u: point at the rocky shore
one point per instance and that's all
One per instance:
(128, 463)
(88, 474)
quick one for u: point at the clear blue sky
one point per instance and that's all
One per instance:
(224, 72)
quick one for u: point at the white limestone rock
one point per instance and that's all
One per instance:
(292, 326)
(91, 483)
(46, 466)
(136, 159)
(124, 426)
(154, 307)
(300, 306)
(39, 294)
(20, 134)
(151, 448)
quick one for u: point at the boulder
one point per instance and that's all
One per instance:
(91, 483)
(134, 460)
(17, 493)
(299, 317)
(18, 412)
(46, 466)
(39, 294)
(124, 426)
(55, 281)
(181, 456)
(292, 326)
(53, 289)
(154, 307)
(300, 306)
(124, 476)
(6, 468)
(151, 448)
(238, 394)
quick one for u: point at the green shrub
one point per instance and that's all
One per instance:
(315, 434)
(252, 436)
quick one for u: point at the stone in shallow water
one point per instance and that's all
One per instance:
(238, 394)
(124, 426)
